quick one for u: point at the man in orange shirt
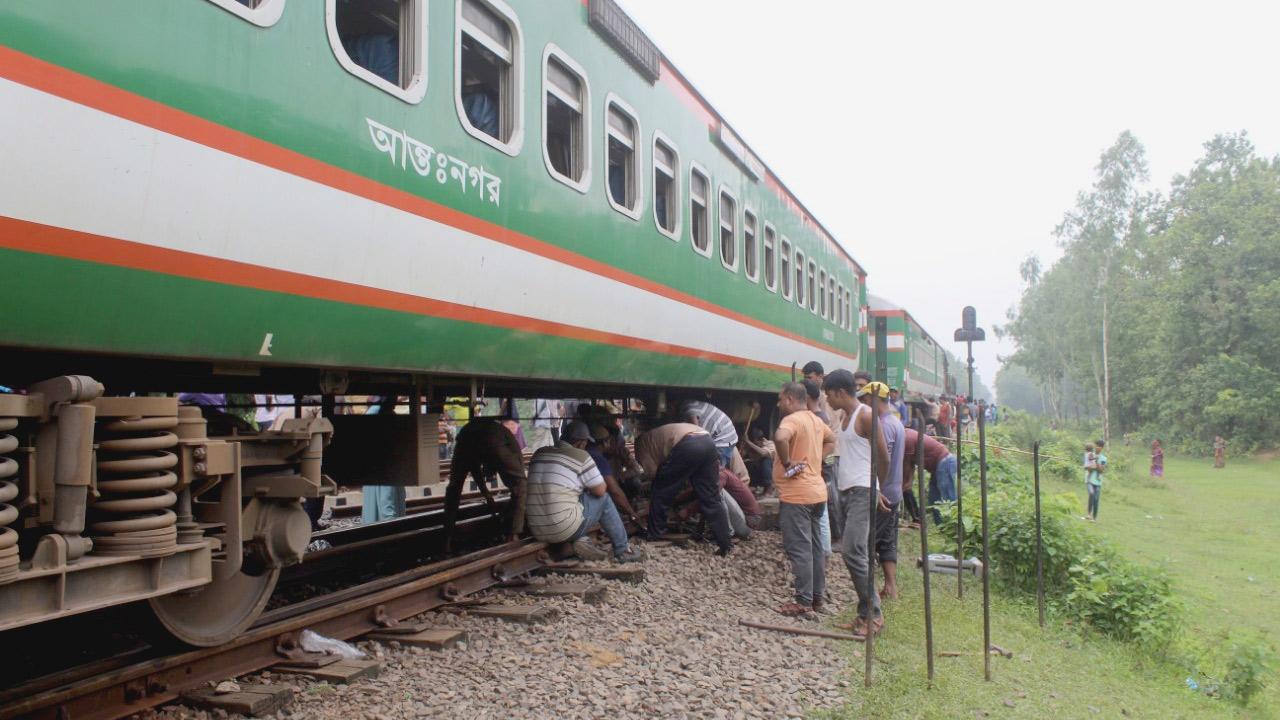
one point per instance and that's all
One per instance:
(801, 442)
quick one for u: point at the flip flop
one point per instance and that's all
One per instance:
(793, 609)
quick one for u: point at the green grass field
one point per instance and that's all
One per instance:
(1213, 530)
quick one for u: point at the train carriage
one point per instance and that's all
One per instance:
(909, 359)
(332, 196)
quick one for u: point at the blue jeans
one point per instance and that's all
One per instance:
(381, 502)
(602, 511)
(726, 454)
(1095, 494)
(944, 480)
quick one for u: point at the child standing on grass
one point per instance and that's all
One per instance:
(1094, 479)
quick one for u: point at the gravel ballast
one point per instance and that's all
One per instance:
(668, 647)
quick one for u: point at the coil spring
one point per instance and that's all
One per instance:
(135, 477)
(8, 513)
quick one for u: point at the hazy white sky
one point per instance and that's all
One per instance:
(941, 142)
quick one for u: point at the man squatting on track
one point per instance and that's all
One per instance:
(801, 442)
(853, 479)
(485, 447)
(676, 455)
(567, 496)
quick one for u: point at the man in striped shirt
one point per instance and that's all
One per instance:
(714, 421)
(567, 496)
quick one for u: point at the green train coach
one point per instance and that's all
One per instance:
(340, 196)
(909, 358)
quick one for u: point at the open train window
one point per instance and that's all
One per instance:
(813, 270)
(770, 258)
(800, 287)
(622, 157)
(750, 250)
(728, 230)
(382, 42)
(488, 75)
(566, 132)
(666, 186)
(699, 217)
(831, 299)
(839, 319)
(263, 13)
(822, 293)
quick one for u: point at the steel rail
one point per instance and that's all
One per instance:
(346, 614)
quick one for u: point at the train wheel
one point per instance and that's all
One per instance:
(218, 612)
(276, 534)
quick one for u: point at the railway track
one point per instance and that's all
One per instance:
(134, 681)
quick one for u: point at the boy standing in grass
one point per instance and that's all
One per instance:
(1094, 479)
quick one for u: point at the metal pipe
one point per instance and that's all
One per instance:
(924, 547)
(871, 542)
(1035, 464)
(986, 558)
(959, 504)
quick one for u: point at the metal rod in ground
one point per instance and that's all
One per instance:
(986, 555)
(871, 542)
(1035, 465)
(959, 506)
(924, 547)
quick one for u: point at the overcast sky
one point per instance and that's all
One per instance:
(941, 142)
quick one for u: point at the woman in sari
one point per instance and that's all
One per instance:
(1157, 459)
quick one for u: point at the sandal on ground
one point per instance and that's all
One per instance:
(793, 609)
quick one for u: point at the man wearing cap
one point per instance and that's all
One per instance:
(601, 440)
(897, 406)
(484, 448)
(679, 454)
(876, 395)
(568, 497)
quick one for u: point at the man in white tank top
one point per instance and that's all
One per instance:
(853, 479)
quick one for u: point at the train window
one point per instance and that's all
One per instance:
(784, 259)
(728, 230)
(382, 42)
(800, 288)
(770, 258)
(813, 300)
(666, 186)
(263, 13)
(487, 76)
(822, 293)
(831, 299)
(839, 320)
(566, 142)
(622, 157)
(700, 229)
(750, 253)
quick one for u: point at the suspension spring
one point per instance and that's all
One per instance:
(8, 491)
(135, 478)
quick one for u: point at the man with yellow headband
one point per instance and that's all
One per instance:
(885, 548)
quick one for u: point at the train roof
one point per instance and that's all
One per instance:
(880, 305)
(770, 176)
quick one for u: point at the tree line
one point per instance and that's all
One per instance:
(1164, 310)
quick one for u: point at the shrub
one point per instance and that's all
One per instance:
(1122, 600)
(1083, 576)
(1232, 668)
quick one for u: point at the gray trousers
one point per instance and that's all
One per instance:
(833, 500)
(801, 540)
(737, 518)
(856, 505)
